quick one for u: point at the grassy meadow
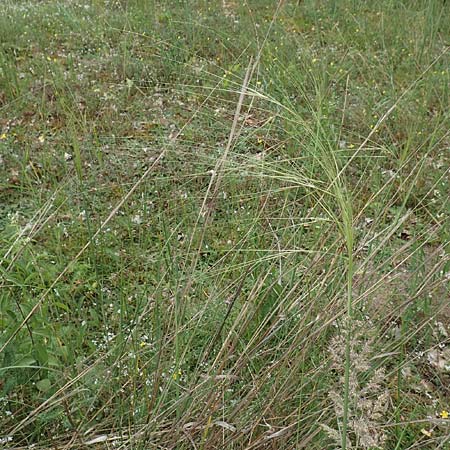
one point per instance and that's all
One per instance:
(224, 224)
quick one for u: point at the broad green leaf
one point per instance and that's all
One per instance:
(26, 361)
(44, 385)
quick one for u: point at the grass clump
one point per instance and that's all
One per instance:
(224, 224)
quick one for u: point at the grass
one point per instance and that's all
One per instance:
(224, 224)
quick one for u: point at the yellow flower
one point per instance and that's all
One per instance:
(177, 374)
(444, 414)
(142, 344)
(3, 136)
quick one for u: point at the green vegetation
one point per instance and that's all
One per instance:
(224, 224)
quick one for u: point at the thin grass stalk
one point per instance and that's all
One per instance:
(350, 269)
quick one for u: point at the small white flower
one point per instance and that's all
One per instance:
(137, 219)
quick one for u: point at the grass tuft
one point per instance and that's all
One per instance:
(224, 224)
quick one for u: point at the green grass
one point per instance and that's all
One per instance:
(224, 224)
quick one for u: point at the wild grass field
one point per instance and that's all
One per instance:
(224, 224)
